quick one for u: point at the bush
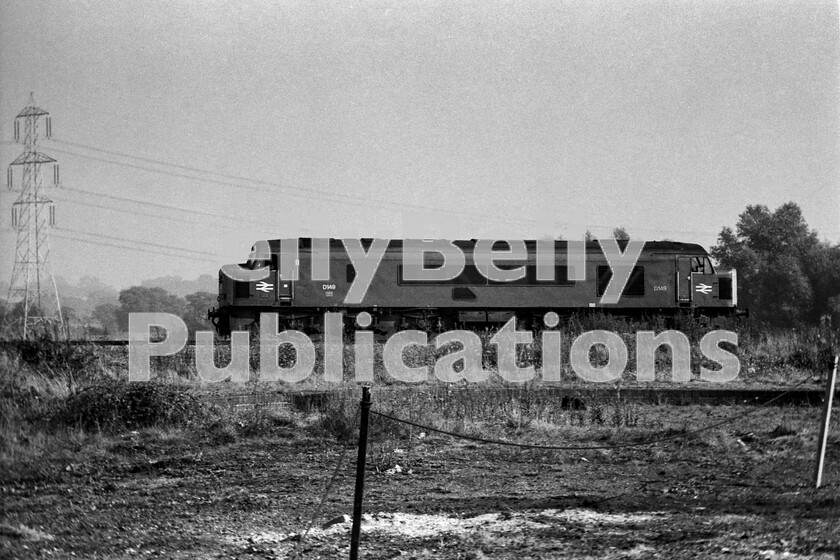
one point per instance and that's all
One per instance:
(27, 400)
(221, 431)
(118, 405)
(263, 421)
(339, 416)
(60, 359)
(54, 353)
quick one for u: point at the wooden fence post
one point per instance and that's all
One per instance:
(360, 475)
(826, 419)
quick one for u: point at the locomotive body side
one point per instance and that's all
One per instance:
(668, 278)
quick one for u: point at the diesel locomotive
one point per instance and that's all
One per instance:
(668, 278)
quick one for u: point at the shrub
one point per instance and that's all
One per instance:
(263, 421)
(220, 430)
(54, 354)
(515, 417)
(73, 363)
(597, 414)
(118, 405)
(339, 416)
(27, 400)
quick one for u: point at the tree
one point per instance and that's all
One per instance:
(106, 315)
(785, 274)
(620, 234)
(832, 308)
(138, 299)
(822, 266)
(12, 320)
(195, 313)
(70, 314)
(785, 293)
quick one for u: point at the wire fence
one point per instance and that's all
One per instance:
(336, 470)
(623, 445)
(365, 409)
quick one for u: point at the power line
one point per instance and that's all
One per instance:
(297, 188)
(135, 212)
(152, 204)
(322, 193)
(165, 206)
(209, 172)
(233, 219)
(133, 122)
(350, 201)
(297, 192)
(290, 190)
(147, 243)
(318, 194)
(127, 248)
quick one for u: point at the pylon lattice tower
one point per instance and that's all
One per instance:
(32, 286)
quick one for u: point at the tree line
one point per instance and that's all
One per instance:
(109, 319)
(141, 299)
(787, 276)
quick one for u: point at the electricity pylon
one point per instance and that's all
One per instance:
(33, 306)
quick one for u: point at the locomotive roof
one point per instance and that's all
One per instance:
(468, 244)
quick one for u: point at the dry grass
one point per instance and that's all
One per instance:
(59, 400)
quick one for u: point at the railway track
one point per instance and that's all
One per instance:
(567, 397)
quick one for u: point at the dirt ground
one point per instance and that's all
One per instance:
(740, 491)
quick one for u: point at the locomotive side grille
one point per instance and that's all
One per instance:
(725, 288)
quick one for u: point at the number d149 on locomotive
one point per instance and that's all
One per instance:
(667, 278)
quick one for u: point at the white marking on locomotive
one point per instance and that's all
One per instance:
(704, 288)
(265, 287)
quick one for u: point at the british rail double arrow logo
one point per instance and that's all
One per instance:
(704, 288)
(265, 287)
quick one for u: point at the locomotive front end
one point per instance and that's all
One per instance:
(708, 291)
(220, 317)
(242, 290)
(716, 293)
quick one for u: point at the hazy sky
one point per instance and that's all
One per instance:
(414, 119)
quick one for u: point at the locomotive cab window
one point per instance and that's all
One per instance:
(254, 263)
(703, 265)
(635, 286)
